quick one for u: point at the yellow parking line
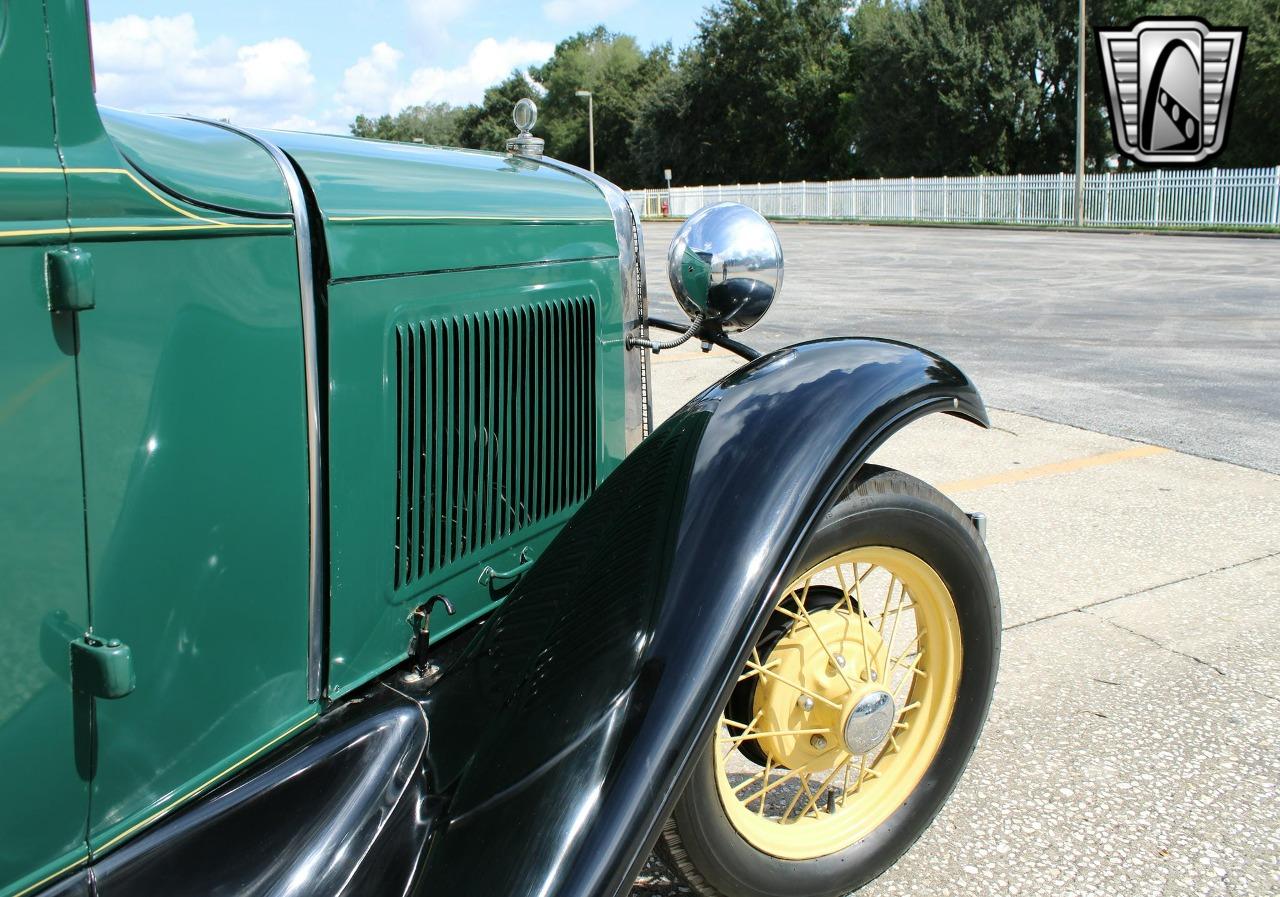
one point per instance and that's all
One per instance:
(1048, 470)
(996, 479)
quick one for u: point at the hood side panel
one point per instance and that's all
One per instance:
(394, 208)
(470, 414)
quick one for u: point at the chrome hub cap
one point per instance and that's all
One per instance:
(869, 722)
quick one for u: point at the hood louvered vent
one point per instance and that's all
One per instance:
(496, 428)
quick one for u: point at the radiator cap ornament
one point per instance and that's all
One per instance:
(525, 115)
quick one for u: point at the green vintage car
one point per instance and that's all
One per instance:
(339, 557)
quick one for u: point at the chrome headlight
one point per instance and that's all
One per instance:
(725, 265)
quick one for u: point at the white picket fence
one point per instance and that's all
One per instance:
(1226, 197)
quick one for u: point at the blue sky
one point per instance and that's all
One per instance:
(314, 65)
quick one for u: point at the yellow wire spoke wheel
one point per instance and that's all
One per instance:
(850, 705)
(858, 708)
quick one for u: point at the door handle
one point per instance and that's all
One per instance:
(488, 575)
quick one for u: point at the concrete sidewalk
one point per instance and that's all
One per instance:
(1134, 744)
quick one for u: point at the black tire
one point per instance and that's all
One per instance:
(889, 508)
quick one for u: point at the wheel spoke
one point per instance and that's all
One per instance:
(907, 649)
(751, 673)
(915, 663)
(827, 650)
(746, 732)
(862, 627)
(813, 801)
(749, 736)
(863, 768)
(862, 622)
(800, 688)
(790, 614)
(799, 597)
(798, 771)
(804, 783)
(881, 617)
(844, 587)
(744, 784)
(857, 782)
(862, 615)
(768, 768)
(865, 773)
(893, 633)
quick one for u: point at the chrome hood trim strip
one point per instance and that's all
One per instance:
(317, 593)
(635, 298)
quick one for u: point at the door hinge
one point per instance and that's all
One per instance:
(69, 276)
(101, 667)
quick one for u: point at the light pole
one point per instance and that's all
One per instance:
(591, 124)
(1080, 38)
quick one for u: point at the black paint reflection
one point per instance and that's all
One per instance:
(564, 733)
(561, 736)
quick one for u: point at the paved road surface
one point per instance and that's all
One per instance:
(1133, 746)
(1163, 339)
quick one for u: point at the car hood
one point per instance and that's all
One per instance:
(385, 208)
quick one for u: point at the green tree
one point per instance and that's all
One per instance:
(437, 124)
(488, 125)
(963, 87)
(1253, 129)
(783, 89)
(973, 86)
(621, 78)
(755, 97)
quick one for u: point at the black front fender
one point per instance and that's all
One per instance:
(562, 736)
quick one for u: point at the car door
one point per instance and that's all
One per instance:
(194, 420)
(43, 596)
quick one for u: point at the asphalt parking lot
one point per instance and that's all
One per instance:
(1134, 744)
(1158, 338)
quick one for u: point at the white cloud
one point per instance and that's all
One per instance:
(160, 64)
(582, 13)
(368, 85)
(431, 19)
(275, 68)
(375, 84)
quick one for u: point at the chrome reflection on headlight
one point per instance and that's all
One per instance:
(725, 265)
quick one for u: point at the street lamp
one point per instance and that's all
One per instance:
(1080, 110)
(591, 124)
